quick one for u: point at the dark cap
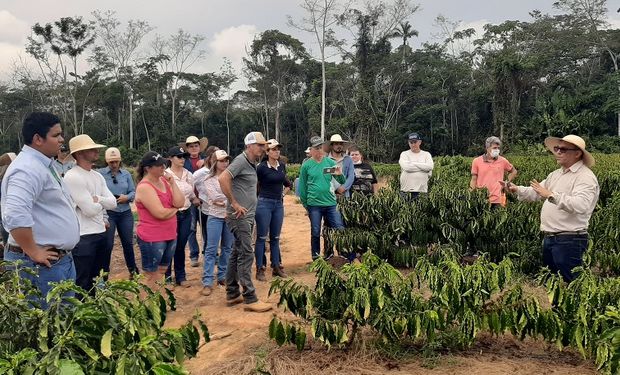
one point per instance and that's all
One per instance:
(64, 147)
(414, 137)
(152, 158)
(178, 151)
(316, 141)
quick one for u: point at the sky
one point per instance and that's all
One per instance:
(229, 26)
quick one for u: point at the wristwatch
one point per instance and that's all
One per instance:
(551, 199)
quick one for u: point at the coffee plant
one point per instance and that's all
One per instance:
(119, 330)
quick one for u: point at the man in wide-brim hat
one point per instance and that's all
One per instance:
(195, 147)
(570, 194)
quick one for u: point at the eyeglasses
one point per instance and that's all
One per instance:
(114, 180)
(562, 150)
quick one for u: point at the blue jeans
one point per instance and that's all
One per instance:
(184, 223)
(269, 218)
(563, 253)
(194, 249)
(123, 223)
(332, 219)
(218, 234)
(61, 270)
(156, 255)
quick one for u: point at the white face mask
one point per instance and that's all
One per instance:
(495, 153)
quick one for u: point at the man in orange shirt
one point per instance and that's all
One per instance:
(488, 170)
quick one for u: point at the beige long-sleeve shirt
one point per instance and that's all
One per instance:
(416, 168)
(575, 193)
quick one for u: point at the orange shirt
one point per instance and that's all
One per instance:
(490, 172)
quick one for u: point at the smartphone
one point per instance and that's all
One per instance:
(329, 170)
(116, 196)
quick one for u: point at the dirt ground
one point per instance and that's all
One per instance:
(243, 346)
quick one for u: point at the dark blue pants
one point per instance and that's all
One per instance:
(194, 249)
(91, 256)
(184, 223)
(269, 218)
(332, 219)
(122, 222)
(563, 253)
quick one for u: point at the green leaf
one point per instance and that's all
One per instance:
(69, 367)
(106, 343)
(300, 340)
(280, 334)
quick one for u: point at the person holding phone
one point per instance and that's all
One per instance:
(120, 183)
(317, 195)
(489, 169)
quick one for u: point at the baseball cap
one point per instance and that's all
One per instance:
(255, 138)
(316, 141)
(177, 151)
(272, 143)
(152, 158)
(64, 147)
(414, 137)
(221, 155)
(112, 154)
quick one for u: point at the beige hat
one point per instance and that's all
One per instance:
(112, 154)
(221, 155)
(204, 142)
(337, 138)
(588, 159)
(82, 142)
(272, 143)
(7, 158)
(255, 138)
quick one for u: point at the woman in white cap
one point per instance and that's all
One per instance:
(218, 233)
(272, 186)
(120, 183)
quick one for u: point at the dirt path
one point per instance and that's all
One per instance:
(248, 331)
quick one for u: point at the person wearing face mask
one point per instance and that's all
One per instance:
(365, 178)
(489, 169)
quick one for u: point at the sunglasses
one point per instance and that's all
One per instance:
(179, 156)
(562, 150)
(114, 180)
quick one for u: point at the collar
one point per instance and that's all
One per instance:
(574, 168)
(248, 160)
(333, 158)
(269, 165)
(487, 159)
(38, 155)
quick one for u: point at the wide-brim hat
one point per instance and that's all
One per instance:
(337, 138)
(7, 158)
(204, 142)
(588, 159)
(82, 142)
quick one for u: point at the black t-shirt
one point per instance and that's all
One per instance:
(364, 178)
(271, 181)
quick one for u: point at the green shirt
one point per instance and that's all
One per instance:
(315, 187)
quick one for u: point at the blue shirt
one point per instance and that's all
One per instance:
(33, 197)
(271, 181)
(124, 186)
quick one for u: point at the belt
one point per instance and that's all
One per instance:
(19, 250)
(576, 233)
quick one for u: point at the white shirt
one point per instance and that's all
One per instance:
(575, 193)
(83, 186)
(186, 185)
(199, 184)
(416, 168)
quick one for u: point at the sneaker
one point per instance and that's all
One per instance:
(194, 262)
(279, 272)
(206, 291)
(184, 284)
(260, 274)
(234, 301)
(258, 306)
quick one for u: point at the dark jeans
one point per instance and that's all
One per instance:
(194, 249)
(409, 196)
(205, 219)
(269, 218)
(239, 270)
(184, 223)
(332, 219)
(91, 256)
(563, 253)
(122, 222)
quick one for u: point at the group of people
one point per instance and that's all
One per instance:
(61, 214)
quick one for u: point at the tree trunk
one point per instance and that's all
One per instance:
(323, 92)
(131, 121)
(277, 119)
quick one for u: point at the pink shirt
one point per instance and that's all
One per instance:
(149, 228)
(490, 172)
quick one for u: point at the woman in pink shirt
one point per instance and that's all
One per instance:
(158, 200)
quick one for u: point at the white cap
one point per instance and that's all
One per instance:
(255, 138)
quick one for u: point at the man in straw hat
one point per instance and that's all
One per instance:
(570, 194)
(194, 162)
(336, 153)
(37, 209)
(238, 183)
(92, 198)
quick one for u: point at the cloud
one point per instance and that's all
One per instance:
(232, 42)
(614, 22)
(12, 29)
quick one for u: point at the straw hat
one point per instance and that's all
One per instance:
(204, 142)
(337, 138)
(7, 158)
(588, 159)
(82, 142)
(112, 154)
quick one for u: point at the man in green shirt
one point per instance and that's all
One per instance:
(316, 193)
